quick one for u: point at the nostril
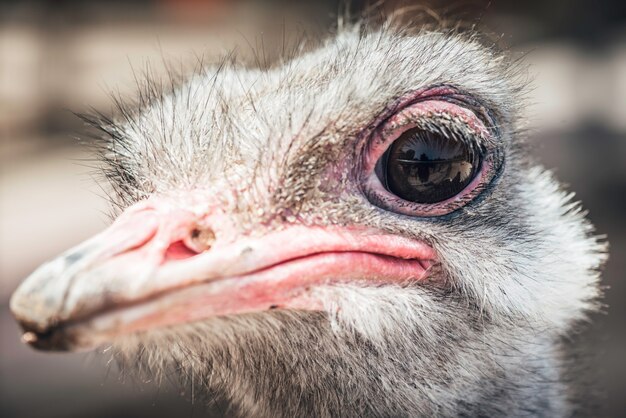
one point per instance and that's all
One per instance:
(200, 240)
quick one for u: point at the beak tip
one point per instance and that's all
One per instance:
(52, 339)
(25, 311)
(37, 303)
(29, 338)
(33, 314)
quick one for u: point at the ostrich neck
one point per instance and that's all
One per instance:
(310, 371)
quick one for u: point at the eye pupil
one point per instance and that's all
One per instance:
(426, 167)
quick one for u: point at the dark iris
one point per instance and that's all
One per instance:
(425, 167)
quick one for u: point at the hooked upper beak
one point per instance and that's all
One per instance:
(162, 264)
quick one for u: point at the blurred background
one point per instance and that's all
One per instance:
(62, 56)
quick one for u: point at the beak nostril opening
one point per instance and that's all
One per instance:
(196, 242)
(200, 240)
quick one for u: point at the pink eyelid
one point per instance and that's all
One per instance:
(391, 129)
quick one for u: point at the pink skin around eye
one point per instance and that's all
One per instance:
(384, 136)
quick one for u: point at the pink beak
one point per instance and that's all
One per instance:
(164, 263)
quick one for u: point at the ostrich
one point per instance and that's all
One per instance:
(357, 231)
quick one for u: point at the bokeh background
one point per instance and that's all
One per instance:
(59, 57)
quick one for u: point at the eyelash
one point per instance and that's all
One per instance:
(454, 119)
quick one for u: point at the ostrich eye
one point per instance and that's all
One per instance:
(426, 167)
(431, 157)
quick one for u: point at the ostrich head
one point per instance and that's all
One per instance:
(358, 229)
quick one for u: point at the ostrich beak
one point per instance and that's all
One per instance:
(162, 263)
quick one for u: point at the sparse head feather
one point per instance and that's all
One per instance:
(520, 264)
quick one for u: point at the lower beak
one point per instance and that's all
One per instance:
(161, 265)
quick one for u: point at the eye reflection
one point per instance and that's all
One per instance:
(425, 167)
